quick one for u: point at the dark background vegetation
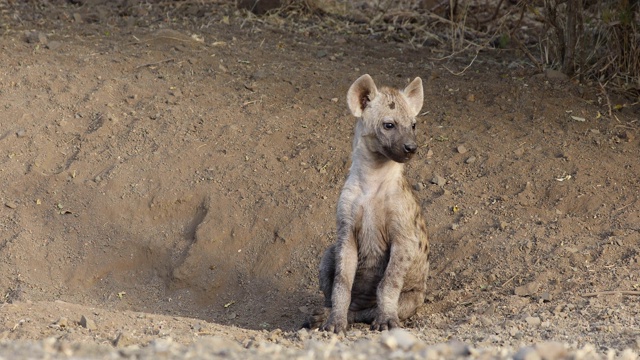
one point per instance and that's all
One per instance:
(594, 41)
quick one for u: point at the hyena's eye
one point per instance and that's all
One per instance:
(389, 125)
(413, 126)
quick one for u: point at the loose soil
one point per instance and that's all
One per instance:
(175, 176)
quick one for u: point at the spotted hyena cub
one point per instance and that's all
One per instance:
(376, 272)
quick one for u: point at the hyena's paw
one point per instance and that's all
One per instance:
(335, 324)
(315, 320)
(385, 322)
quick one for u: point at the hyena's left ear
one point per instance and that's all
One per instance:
(361, 92)
(415, 96)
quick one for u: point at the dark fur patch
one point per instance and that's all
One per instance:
(364, 100)
(392, 105)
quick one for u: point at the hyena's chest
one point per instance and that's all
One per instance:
(373, 240)
(372, 233)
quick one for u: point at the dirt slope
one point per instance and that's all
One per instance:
(189, 165)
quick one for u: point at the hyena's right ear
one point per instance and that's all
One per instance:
(361, 92)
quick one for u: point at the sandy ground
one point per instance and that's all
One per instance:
(173, 174)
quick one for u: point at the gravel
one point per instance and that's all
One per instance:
(394, 344)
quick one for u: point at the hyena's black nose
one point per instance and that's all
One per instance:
(410, 148)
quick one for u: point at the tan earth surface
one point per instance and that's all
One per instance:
(170, 174)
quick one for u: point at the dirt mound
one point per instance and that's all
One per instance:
(192, 169)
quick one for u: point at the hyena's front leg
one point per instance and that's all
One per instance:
(390, 287)
(346, 261)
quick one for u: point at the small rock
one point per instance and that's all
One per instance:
(389, 341)
(455, 226)
(63, 322)
(303, 334)
(513, 331)
(438, 180)
(356, 333)
(217, 345)
(303, 309)
(471, 98)
(629, 354)
(503, 226)
(87, 323)
(10, 205)
(527, 289)
(558, 309)
(462, 149)
(77, 17)
(53, 45)
(21, 133)
(36, 37)
(459, 349)
(404, 339)
(123, 339)
(533, 320)
(321, 54)
(451, 350)
(429, 153)
(335, 100)
(551, 350)
(470, 160)
(274, 335)
(526, 353)
(418, 187)
(161, 346)
(518, 152)
(231, 315)
(49, 345)
(546, 296)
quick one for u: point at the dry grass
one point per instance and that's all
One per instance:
(597, 44)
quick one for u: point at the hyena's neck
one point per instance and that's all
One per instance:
(372, 171)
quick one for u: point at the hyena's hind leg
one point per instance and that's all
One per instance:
(327, 273)
(409, 303)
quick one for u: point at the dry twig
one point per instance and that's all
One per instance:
(155, 63)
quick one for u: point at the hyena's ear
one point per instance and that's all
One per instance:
(361, 92)
(415, 96)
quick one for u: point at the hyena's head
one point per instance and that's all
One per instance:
(388, 116)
